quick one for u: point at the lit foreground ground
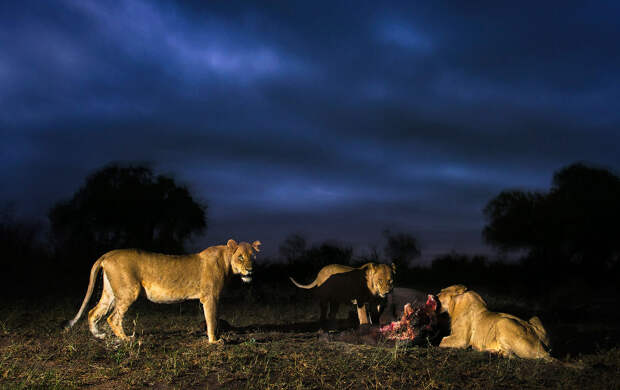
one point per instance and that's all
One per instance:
(273, 347)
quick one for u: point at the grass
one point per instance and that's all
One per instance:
(264, 351)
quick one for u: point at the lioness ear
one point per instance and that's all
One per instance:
(393, 268)
(255, 245)
(459, 289)
(232, 244)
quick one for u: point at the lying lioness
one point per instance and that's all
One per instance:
(337, 284)
(473, 325)
(165, 279)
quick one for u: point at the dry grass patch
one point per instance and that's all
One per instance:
(264, 352)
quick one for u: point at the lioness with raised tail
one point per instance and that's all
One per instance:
(336, 284)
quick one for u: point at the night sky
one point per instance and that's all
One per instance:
(327, 119)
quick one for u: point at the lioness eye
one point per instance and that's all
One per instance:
(240, 257)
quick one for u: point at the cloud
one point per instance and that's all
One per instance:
(402, 34)
(332, 120)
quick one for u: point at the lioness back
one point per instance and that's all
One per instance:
(162, 278)
(344, 287)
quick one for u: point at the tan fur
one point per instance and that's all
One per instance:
(473, 325)
(165, 279)
(336, 283)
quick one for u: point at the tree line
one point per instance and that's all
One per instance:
(571, 229)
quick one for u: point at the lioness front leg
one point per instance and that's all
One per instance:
(362, 314)
(454, 341)
(209, 306)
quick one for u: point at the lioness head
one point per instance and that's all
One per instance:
(242, 256)
(456, 298)
(380, 278)
(447, 297)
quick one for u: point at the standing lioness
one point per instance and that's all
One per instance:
(336, 284)
(165, 279)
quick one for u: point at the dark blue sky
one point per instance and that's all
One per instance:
(329, 119)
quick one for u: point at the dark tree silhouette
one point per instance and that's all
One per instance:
(401, 249)
(25, 259)
(293, 248)
(305, 263)
(328, 253)
(371, 256)
(122, 207)
(516, 220)
(18, 239)
(577, 221)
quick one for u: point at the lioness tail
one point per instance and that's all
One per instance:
(91, 285)
(307, 286)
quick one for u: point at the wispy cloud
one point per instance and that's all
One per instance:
(403, 34)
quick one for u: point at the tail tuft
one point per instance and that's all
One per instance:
(67, 325)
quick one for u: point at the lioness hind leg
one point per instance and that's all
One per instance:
(519, 340)
(125, 294)
(115, 320)
(331, 317)
(333, 310)
(101, 309)
(323, 306)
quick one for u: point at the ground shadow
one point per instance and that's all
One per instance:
(297, 327)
